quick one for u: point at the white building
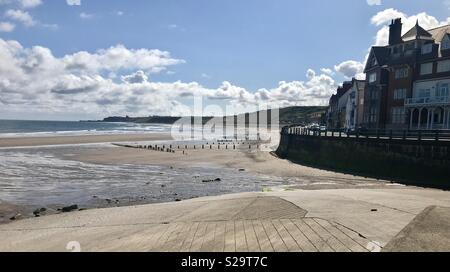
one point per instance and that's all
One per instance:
(430, 105)
(351, 100)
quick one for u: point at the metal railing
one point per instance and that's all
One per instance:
(382, 134)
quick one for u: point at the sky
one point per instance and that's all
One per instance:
(88, 59)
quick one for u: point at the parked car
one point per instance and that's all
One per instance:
(314, 128)
(350, 131)
(359, 130)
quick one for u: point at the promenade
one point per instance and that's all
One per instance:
(341, 220)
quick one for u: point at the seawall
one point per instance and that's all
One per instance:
(420, 163)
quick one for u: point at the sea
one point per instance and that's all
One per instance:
(24, 128)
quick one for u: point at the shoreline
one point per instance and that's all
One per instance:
(80, 139)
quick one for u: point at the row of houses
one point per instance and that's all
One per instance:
(406, 86)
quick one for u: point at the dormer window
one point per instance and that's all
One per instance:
(372, 77)
(373, 62)
(427, 48)
(446, 43)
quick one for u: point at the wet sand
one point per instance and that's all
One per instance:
(81, 139)
(253, 161)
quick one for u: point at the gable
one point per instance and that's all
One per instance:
(446, 38)
(377, 57)
(372, 61)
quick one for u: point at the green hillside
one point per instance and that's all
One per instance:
(290, 115)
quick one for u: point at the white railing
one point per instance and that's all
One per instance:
(417, 101)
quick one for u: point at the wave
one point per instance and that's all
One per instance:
(40, 129)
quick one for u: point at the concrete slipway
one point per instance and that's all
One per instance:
(301, 220)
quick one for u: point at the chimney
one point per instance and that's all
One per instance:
(395, 32)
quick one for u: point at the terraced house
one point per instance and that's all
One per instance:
(407, 83)
(408, 80)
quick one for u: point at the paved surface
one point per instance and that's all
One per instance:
(323, 220)
(429, 231)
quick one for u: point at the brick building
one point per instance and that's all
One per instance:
(407, 80)
(407, 84)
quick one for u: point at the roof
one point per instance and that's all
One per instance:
(417, 32)
(381, 54)
(440, 32)
(333, 99)
(347, 85)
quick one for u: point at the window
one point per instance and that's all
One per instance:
(361, 101)
(401, 73)
(424, 93)
(396, 50)
(443, 66)
(409, 46)
(400, 94)
(427, 48)
(443, 90)
(373, 115)
(373, 94)
(373, 62)
(398, 115)
(426, 68)
(372, 77)
(446, 43)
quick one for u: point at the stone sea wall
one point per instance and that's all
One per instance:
(421, 163)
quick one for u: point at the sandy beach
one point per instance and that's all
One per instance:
(362, 214)
(241, 170)
(80, 139)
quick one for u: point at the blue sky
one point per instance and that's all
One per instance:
(251, 44)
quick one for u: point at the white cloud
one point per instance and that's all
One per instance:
(85, 15)
(30, 3)
(327, 71)
(36, 80)
(119, 57)
(138, 77)
(51, 26)
(120, 13)
(6, 27)
(73, 2)
(349, 68)
(310, 74)
(26, 4)
(374, 2)
(21, 16)
(383, 17)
